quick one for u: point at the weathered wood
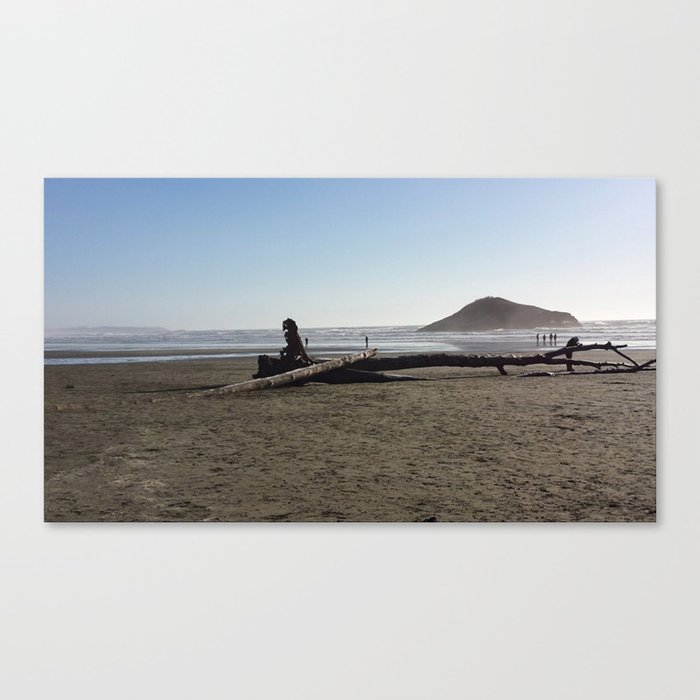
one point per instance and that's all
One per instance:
(295, 366)
(566, 349)
(295, 375)
(292, 355)
(587, 363)
(646, 367)
(622, 354)
(294, 350)
(357, 376)
(380, 364)
(573, 342)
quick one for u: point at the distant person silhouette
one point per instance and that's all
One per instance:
(306, 343)
(366, 342)
(551, 338)
(555, 338)
(538, 339)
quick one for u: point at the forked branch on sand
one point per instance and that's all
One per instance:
(499, 362)
(294, 366)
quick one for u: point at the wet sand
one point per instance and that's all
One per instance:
(128, 442)
(174, 352)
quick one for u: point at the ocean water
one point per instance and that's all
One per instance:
(325, 341)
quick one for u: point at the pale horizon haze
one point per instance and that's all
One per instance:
(201, 254)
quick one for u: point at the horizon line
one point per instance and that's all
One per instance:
(337, 325)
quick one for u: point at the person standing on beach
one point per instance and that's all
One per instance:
(538, 340)
(551, 339)
(555, 338)
(306, 343)
(366, 343)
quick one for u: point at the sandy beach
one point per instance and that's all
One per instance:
(130, 442)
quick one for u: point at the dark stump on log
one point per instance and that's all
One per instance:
(292, 356)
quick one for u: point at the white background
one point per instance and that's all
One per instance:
(354, 89)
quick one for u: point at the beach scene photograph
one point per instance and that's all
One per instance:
(349, 350)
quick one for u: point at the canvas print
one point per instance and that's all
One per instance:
(350, 350)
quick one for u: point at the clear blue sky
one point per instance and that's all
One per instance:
(219, 253)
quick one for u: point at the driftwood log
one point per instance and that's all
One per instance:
(295, 366)
(349, 375)
(294, 356)
(499, 362)
(619, 368)
(300, 374)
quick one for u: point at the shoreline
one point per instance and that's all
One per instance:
(162, 352)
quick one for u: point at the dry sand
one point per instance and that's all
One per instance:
(127, 442)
